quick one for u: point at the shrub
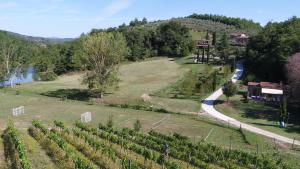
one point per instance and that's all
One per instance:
(229, 89)
(47, 76)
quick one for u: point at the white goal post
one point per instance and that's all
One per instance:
(86, 117)
(18, 110)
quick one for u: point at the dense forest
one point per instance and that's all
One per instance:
(167, 39)
(268, 52)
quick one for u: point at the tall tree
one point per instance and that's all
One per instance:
(293, 74)
(174, 39)
(13, 56)
(137, 125)
(214, 39)
(283, 110)
(104, 52)
(207, 35)
(139, 41)
(229, 89)
(223, 47)
(215, 80)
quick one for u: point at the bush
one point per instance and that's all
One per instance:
(229, 89)
(47, 76)
(137, 125)
(249, 78)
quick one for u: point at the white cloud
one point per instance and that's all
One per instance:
(112, 9)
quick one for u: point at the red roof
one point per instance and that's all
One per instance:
(270, 85)
(267, 85)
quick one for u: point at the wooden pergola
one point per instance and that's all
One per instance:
(203, 45)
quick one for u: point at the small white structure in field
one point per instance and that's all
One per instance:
(86, 117)
(18, 110)
(146, 98)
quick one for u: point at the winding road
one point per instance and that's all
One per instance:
(208, 107)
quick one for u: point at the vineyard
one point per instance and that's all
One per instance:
(82, 146)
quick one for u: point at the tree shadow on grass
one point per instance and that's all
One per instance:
(73, 94)
(216, 102)
(293, 129)
(288, 128)
(261, 114)
(262, 124)
(212, 102)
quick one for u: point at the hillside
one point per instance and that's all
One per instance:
(201, 25)
(38, 39)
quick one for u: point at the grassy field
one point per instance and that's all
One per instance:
(258, 114)
(144, 78)
(198, 35)
(136, 79)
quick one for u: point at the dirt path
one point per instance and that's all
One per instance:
(208, 107)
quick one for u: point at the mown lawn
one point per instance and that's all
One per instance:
(259, 114)
(197, 35)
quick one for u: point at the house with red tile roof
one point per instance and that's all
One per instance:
(265, 91)
(239, 38)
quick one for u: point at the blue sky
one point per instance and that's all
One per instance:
(69, 18)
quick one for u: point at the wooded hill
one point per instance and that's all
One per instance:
(38, 39)
(202, 25)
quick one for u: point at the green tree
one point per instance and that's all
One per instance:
(215, 80)
(174, 39)
(214, 39)
(223, 47)
(45, 62)
(233, 64)
(137, 125)
(229, 89)
(268, 51)
(207, 36)
(283, 109)
(187, 86)
(104, 52)
(15, 56)
(110, 121)
(140, 41)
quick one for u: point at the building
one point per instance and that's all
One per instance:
(203, 43)
(239, 38)
(265, 91)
